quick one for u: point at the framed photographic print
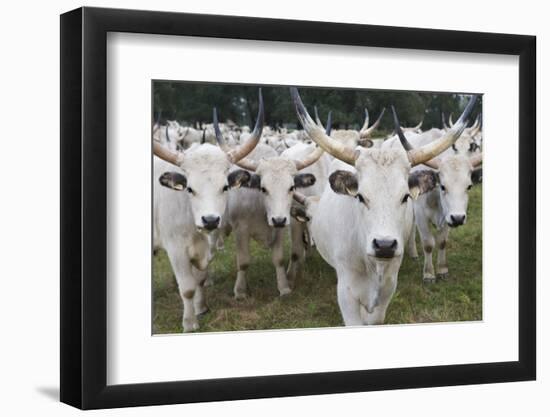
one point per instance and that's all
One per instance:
(258, 208)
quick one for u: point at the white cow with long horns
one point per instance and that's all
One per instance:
(261, 209)
(190, 200)
(361, 223)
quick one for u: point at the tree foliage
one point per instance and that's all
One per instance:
(190, 102)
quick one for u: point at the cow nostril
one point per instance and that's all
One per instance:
(278, 221)
(458, 219)
(384, 248)
(210, 222)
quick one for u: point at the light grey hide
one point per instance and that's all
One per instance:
(444, 207)
(176, 222)
(299, 234)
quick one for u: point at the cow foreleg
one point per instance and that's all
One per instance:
(277, 257)
(411, 244)
(442, 267)
(428, 243)
(199, 300)
(243, 260)
(384, 297)
(187, 285)
(297, 253)
(349, 305)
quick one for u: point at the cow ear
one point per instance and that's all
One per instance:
(304, 180)
(238, 178)
(173, 180)
(422, 181)
(255, 182)
(299, 214)
(344, 182)
(477, 176)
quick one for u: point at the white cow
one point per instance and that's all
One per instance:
(361, 223)
(190, 202)
(445, 206)
(263, 215)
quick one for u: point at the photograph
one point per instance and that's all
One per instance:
(279, 207)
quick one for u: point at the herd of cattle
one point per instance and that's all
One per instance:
(355, 199)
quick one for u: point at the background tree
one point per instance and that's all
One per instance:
(192, 103)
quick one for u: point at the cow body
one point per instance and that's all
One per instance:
(343, 230)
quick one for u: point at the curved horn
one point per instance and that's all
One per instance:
(474, 131)
(219, 137)
(366, 122)
(167, 135)
(419, 125)
(243, 150)
(432, 149)
(404, 141)
(299, 197)
(335, 148)
(477, 159)
(367, 132)
(175, 158)
(443, 123)
(317, 119)
(476, 122)
(317, 152)
(451, 123)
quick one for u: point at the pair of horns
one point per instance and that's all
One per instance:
(366, 131)
(348, 155)
(447, 140)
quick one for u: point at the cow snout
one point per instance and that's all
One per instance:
(278, 221)
(384, 248)
(210, 222)
(457, 220)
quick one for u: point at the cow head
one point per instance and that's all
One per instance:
(205, 174)
(383, 191)
(454, 174)
(277, 178)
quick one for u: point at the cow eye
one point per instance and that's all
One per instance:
(405, 198)
(292, 188)
(263, 190)
(443, 187)
(225, 188)
(190, 190)
(360, 198)
(469, 187)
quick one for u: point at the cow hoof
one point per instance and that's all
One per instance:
(203, 313)
(285, 291)
(240, 296)
(443, 275)
(429, 280)
(190, 325)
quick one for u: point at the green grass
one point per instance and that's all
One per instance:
(313, 301)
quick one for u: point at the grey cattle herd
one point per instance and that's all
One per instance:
(358, 201)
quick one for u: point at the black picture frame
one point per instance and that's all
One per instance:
(84, 207)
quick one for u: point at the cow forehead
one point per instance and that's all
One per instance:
(382, 160)
(383, 172)
(276, 168)
(455, 166)
(206, 160)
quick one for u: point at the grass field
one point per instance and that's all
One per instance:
(313, 301)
